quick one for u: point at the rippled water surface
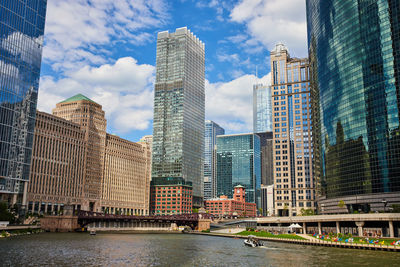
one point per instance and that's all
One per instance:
(56, 249)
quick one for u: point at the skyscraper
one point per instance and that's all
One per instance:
(210, 140)
(292, 151)
(239, 163)
(262, 109)
(21, 42)
(178, 125)
(355, 55)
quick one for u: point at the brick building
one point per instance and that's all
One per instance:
(171, 195)
(237, 206)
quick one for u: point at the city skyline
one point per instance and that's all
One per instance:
(97, 58)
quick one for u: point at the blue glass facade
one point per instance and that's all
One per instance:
(210, 140)
(21, 40)
(239, 163)
(354, 54)
(262, 109)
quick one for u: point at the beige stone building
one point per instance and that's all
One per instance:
(73, 151)
(91, 117)
(292, 149)
(126, 182)
(57, 172)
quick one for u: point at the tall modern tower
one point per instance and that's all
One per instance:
(262, 109)
(21, 42)
(292, 151)
(210, 140)
(178, 125)
(356, 102)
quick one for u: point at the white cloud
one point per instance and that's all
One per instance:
(273, 21)
(76, 29)
(124, 89)
(231, 104)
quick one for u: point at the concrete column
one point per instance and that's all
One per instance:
(319, 228)
(360, 228)
(24, 195)
(33, 207)
(337, 227)
(304, 228)
(45, 208)
(391, 229)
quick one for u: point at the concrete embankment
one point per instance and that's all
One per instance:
(312, 242)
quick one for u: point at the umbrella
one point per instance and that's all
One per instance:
(295, 225)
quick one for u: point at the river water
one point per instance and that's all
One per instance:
(81, 249)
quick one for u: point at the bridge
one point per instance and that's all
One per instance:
(88, 220)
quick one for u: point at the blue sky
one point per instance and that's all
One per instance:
(106, 50)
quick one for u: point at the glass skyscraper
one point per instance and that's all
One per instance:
(355, 55)
(239, 163)
(210, 139)
(21, 42)
(262, 109)
(178, 125)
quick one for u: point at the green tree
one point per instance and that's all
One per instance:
(5, 214)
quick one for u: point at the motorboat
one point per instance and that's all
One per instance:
(252, 241)
(92, 232)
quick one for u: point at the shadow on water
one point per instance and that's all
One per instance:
(75, 249)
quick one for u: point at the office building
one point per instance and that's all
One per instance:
(267, 200)
(171, 195)
(292, 149)
(178, 125)
(239, 163)
(354, 51)
(91, 117)
(62, 160)
(126, 177)
(234, 207)
(21, 33)
(210, 139)
(262, 109)
(267, 165)
(57, 175)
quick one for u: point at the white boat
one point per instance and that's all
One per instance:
(252, 241)
(92, 232)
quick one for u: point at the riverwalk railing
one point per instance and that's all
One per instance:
(316, 242)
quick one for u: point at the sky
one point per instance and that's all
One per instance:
(106, 50)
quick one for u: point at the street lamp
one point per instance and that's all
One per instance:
(384, 204)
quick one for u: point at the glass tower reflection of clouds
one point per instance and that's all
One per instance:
(262, 109)
(21, 42)
(179, 109)
(212, 129)
(355, 55)
(239, 163)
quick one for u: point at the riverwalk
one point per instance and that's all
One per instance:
(312, 242)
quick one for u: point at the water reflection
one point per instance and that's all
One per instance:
(174, 250)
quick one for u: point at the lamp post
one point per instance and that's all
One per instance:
(384, 205)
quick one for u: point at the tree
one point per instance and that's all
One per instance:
(5, 214)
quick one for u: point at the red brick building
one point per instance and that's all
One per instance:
(171, 196)
(237, 206)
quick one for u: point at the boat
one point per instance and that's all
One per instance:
(252, 241)
(92, 232)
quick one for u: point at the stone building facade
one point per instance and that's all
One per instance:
(76, 162)
(292, 150)
(123, 161)
(91, 117)
(57, 172)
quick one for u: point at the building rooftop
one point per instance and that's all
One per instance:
(77, 97)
